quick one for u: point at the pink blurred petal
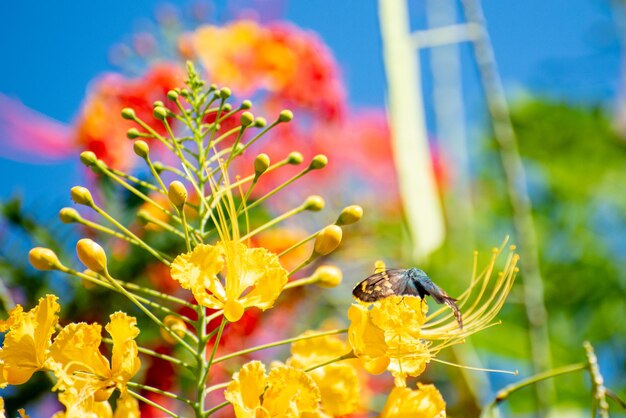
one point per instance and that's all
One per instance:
(29, 136)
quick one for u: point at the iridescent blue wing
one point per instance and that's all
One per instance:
(384, 284)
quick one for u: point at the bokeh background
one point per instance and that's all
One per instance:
(562, 67)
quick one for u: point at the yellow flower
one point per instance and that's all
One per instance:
(26, 344)
(338, 382)
(81, 368)
(397, 334)
(425, 402)
(252, 276)
(126, 406)
(286, 392)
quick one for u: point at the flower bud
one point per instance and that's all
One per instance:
(225, 93)
(227, 107)
(177, 193)
(69, 215)
(158, 103)
(328, 276)
(128, 113)
(350, 215)
(260, 122)
(43, 259)
(133, 133)
(246, 119)
(159, 113)
(319, 161)
(239, 148)
(285, 116)
(143, 217)
(246, 104)
(88, 158)
(91, 255)
(158, 166)
(175, 324)
(82, 196)
(314, 203)
(328, 240)
(295, 158)
(376, 366)
(172, 95)
(261, 164)
(141, 148)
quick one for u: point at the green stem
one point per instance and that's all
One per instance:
(331, 361)
(503, 394)
(217, 407)
(279, 343)
(159, 391)
(153, 404)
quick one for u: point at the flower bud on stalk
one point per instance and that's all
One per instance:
(128, 113)
(69, 215)
(260, 122)
(350, 215)
(82, 196)
(314, 203)
(175, 324)
(318, 162)
(328, 276)
(328, 240)
(88, 158)
(141, 148)
(295, 158)
(91, 255)
(261, 164)
(177, 193)
(43, 259)
(285, 116)
(246, 119)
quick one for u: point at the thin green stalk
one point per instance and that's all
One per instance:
(331, 361)
(155, 354)
(503, 394)
(203, 366)
(279, 343)
(217, 408)
(274, 221)
(600, 406)
(153, 404)
(159, 391)
(134, 179)
(278, 189)
(301, 242)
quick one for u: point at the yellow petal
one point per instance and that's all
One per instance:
(77, 348)
(367, 339)
(197, 271)
(233, 310)
(400, 316)
(125, 361)
(246, 388)
(425, 402)
(290, 392)
(313, 351)
(339, 388)
(126, 407)
(25, 345)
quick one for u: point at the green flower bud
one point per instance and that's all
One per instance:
(260, 122)
(227, 107)
(246, 119)
(261, 164)
(172, 95)
(158, 103)
(295, 158)
(133, 133)
(350, 215)
(159, 113)
(141, 148)
(82, 196)
(319, 161)
(128, 113)
(91, 255)
(225, 93)
(158, 166)
(285, 116)
(88, 158)
(246, 104)
(314, 203)
(69, 215)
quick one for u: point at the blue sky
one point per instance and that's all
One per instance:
(561, 48)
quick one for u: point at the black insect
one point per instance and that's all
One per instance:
(401, 282)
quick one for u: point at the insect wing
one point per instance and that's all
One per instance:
(381, 285)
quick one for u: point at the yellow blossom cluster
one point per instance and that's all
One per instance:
(85, 378)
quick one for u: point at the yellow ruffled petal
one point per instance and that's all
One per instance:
(77, 348)
(339, 388)
(126, 407)
(25, 346)
(367, 339)
(80, 403)
(197, 271)
(246, 388)
(308, 353)
(425, 402)
(400, 316)
(125, 361)
(290, 392)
